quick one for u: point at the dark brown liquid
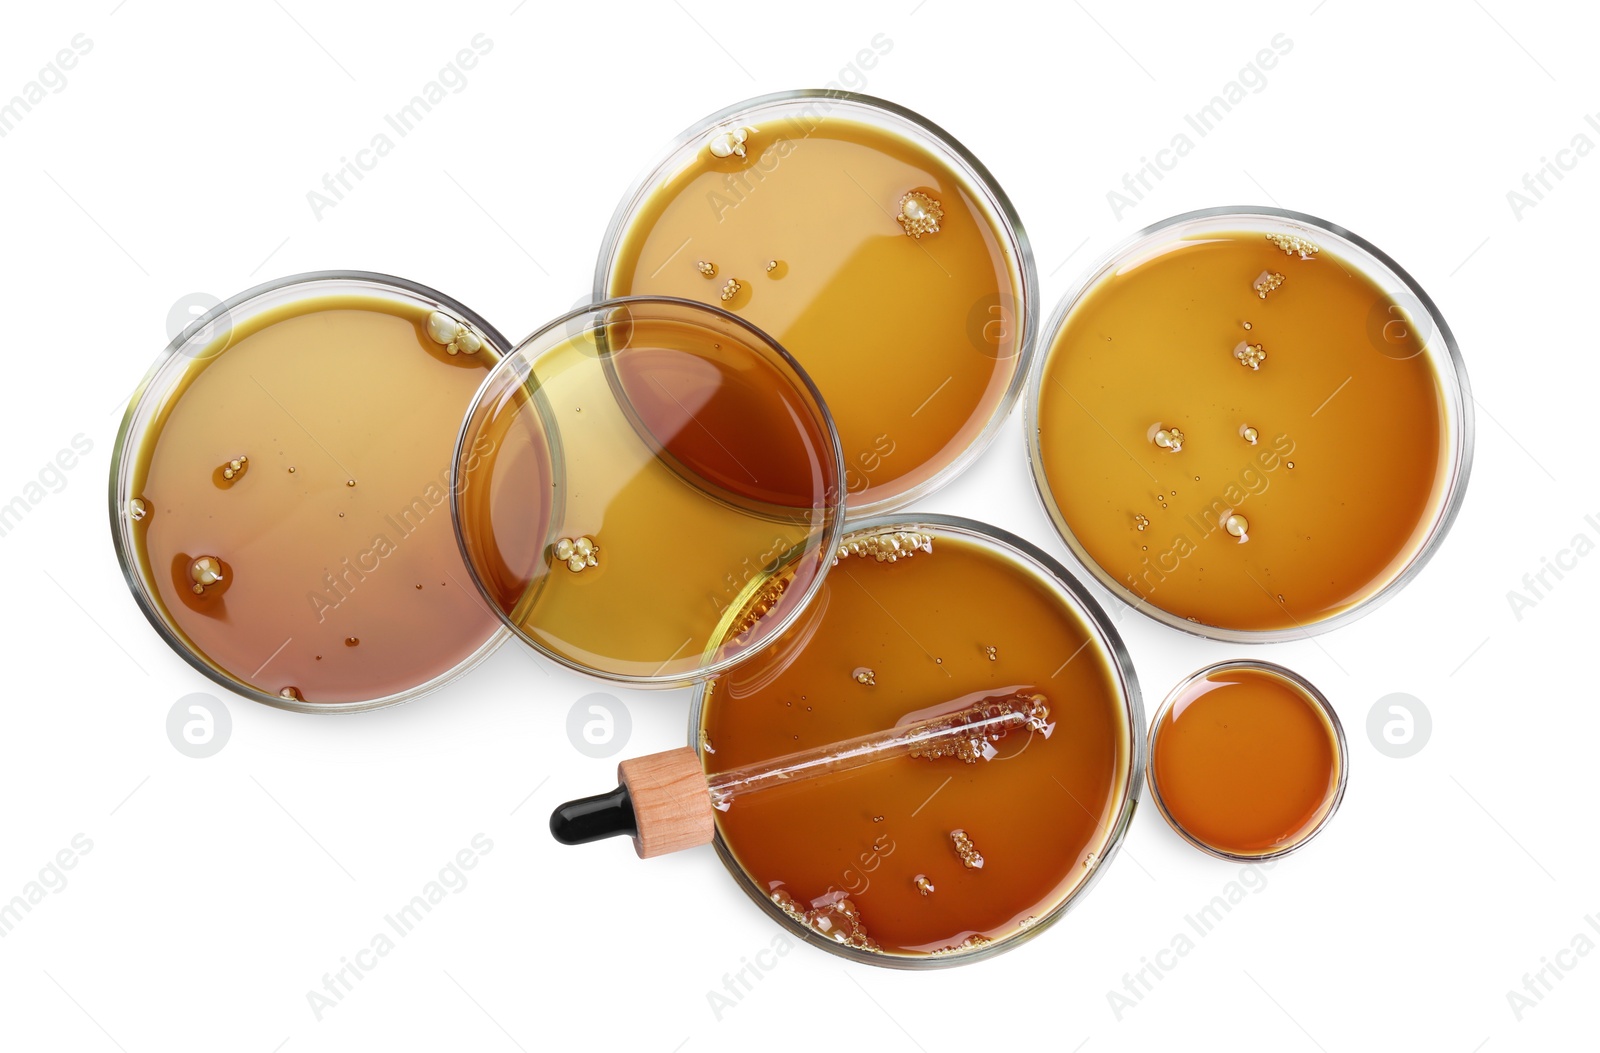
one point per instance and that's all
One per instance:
(921, 629)
(340, 576)
(1246, 762)
(912, 341)
(1336, 494)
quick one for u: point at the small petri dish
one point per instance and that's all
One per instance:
(1250, 424)
(873, 247)
(280, 492)
(1247, 760)
(918, 861)
(647, 489)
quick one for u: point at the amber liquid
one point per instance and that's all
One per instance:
(340, 579)
(845, 853)
(691, 461)
(1346, 475)
(912, 341)
(1245, 762)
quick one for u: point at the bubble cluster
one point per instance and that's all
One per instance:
(706, 267)
(1265, 283)
(919, 214)
(1291, 244)
(971, 943)
(731, 289)
(970, 856)
(886, 548)
(993, 653)
(838, 920)
(923, 885)
(865, 676)
(761, 604)
(234, 468)
(728, 142)
(1166, 438)
(458, 339)
(1250, 355)
(204, 572)
(978, 744)
(577, 553)
(1141, 522)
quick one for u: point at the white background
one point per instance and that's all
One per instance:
(218, 892)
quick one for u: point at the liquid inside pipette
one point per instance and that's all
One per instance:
(968, 734)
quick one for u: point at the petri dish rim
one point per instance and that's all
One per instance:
(169, 366)
(972, 170)
(1101, 629)
(1377, 266)
(1341, 755)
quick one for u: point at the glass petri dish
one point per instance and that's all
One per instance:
(647, 489)
(279, 492)
(873, 247)
(927, 861)
(1250, 424)
(1247, 760)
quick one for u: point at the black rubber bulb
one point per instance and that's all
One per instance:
(594, 818)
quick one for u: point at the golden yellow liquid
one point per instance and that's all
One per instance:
(1039, 813)
(341, 579)
(693, 463)
(913, 342)
(1246, 762)
(1344, 480)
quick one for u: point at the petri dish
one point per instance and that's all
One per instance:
(647, 490)
(279, 492)
(872, 246)
(937, 859)
(1250, 424)
(1247, 760)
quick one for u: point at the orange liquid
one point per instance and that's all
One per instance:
(1346, 475)
(336, 592)
(1246, 762)
(912, 341)
(844, 853)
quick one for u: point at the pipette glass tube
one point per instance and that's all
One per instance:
(968, 734)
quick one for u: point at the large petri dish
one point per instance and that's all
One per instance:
(280, 492)
(923, 861)
(872, 246)
(1250, 424)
